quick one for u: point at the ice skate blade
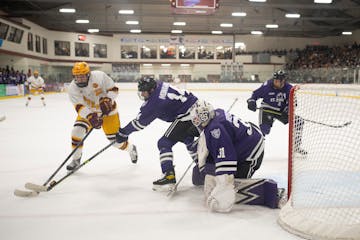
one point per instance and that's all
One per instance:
(164, 188)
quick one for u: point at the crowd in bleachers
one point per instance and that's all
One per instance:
(270, 52)
(8, 75)
(324, 57)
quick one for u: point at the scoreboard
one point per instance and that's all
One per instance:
(200, 7)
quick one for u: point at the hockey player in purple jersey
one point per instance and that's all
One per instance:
(229, 152)
(275, 99)
(167, 103)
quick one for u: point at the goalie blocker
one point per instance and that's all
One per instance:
(262, 192)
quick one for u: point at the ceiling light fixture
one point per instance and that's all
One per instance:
(256, 32)
(226, 25)
(292, 15)
(67, 10)
(179, 23)
(238, 14)
(257, 0)
(176, 31)
(126, 11)
(135, 31)
(216, 32)
(82, 21)
(323, 1)
(93, 30)
(272, 26)
(132, 22)
(346, 33)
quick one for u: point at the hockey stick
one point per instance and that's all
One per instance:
(68, 157)
(328, 125)
(312, 121)
(174, 189)
(42, 188)
(24, 193)
(235, 100)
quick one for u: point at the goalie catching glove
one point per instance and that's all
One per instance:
(106, 105)
(121, 136)
(95, 120)
(222, 197)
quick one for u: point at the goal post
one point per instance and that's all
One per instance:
(324, 162)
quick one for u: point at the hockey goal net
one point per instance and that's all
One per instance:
(324, 163)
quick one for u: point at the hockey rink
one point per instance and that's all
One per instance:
(111, 198)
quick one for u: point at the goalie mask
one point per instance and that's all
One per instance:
(81, 73)
(201, 113)
(146, 86)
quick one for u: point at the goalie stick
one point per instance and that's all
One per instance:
(341, 125)
(24, 193)
(173, 190)
(231, 106)
(41, 188)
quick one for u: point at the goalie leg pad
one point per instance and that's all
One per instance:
(209, 185)
(256, 192)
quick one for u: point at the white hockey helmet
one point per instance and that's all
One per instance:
(201, 113)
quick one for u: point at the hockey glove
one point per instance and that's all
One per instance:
(251, 104)
(222, 197)
(121, 137)
(95, 120)
(285, 116)
(106, 105)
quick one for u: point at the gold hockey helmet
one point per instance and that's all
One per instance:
(80, 68)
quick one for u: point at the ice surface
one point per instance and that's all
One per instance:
(111, 198)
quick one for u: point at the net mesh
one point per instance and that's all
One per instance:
(324, 175)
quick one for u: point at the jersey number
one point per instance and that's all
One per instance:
(221, 153)
(237, 121)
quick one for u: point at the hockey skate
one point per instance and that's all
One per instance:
(73, 165)
(166, 183)
(133, 154)
(282, 197)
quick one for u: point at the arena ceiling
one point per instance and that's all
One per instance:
(157, 16)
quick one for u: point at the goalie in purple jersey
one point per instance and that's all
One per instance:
(167, 103)
(275, 99)
(229, 152)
